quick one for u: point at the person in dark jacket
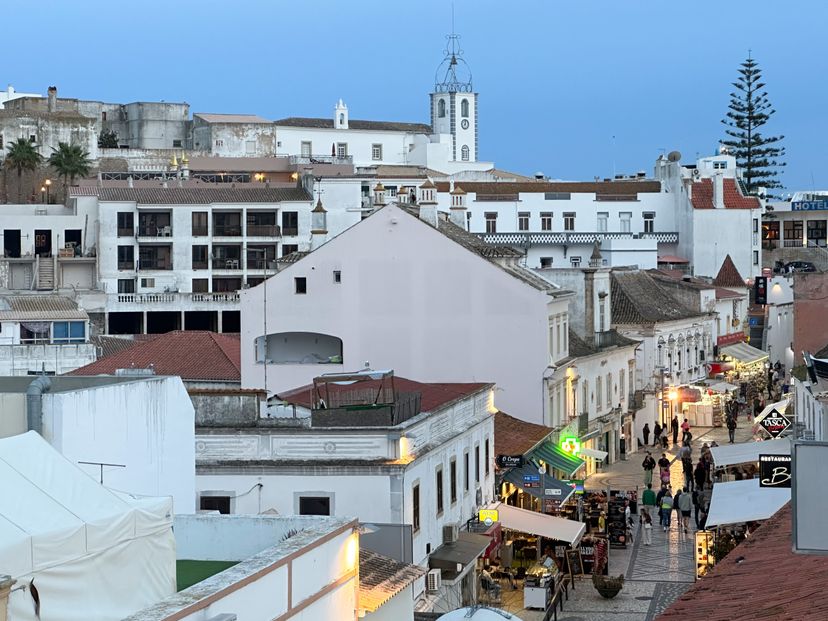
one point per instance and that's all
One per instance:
(674, 427)
(656, 434)
(646, 433)
(731, 428)
(700, 475)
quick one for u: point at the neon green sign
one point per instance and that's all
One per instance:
(571, 446)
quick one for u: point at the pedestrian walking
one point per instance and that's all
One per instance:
(656, 434)
(731, 429)
(687, 468)
(646, 433)
(648, 498)
(684, 504)
(700, 475)
(659, 496)
(664, 469)
(674, 427)
(649, 465)
(685, 429)
(646, 527)
(697, 499)
(666, 510)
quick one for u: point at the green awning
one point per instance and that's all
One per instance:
(541, 486)
(556, 457)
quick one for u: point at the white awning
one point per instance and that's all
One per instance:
(779, 406)
(744, 352)
(539, 524)
(594, 453)
(747, 452)
(722, 387)
(735, 502)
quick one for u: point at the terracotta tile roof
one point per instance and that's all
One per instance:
(39, 307)
(432, 395)
(729, 275)
(202, 195)
(723, 294)
(231, 118)
(733, 197)
(671, 258)
(88, 190)
(381, 578)
(609, 188)
(760, 579)
(109, 345)
(516, 437)
(387, 126)
(638, 299)
(192, 355)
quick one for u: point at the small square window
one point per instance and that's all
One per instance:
(337, 276)
(376, 151)
(176, 144)
(523, 221)
(32, 138)
(546, 221)
(219, 143)
(756, 257)
(546, 262)
(300, 284)
(569, 221)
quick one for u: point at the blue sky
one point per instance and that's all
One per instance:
(557, 80)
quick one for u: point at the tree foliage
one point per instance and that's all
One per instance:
(70, 161)
(749, 111)
(108, 139)
(22, 155)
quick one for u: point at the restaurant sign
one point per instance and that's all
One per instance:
(774, 423)
(775, 471)
(487, 516)
(509, 461)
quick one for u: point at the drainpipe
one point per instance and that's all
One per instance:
(34, 403)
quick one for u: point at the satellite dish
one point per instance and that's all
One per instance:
(674, 156)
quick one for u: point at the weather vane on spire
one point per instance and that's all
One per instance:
(453, 74)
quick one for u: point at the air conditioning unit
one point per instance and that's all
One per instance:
(450, 532)
(434, 580)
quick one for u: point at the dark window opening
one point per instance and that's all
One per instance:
(126, 285)
(126, 224)
(11, 243)
(215, 503)
(199, 223)
(301, 284)
(200, 261)
(201, 285)
(126, 257)
(314, 505)
(439, 488)
(289, 249)
(415, 499)
(453, 480)
(290, 223)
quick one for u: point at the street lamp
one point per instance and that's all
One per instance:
(48, 184)
(43, 194)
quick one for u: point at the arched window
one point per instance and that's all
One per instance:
(464, 108)
(441, 108)
(341, 119)
(464, 153)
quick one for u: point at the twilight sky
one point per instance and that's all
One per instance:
(557, 80)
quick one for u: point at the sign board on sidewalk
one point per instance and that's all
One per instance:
(774, 423)
(704, 552)
(775, 471)
(509, 461)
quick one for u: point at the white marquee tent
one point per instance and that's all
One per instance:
(93, 553)
(734, 502)
(748, 452)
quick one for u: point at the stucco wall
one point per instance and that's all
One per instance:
(810, 301)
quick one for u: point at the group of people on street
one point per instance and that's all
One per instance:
(660, 433)
(664, 503)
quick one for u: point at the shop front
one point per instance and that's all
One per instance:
(748, 364)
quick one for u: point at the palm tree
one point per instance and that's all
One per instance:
(69, 161)
(22, 156)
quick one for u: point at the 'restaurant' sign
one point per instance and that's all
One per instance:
(775, 423)
(775, 471)
(509, 461)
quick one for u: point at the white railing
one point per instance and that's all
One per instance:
(160, 298)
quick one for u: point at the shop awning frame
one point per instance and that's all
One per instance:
(515, 476)
(735, 502)
(539, 524)
(744, 353)
(555, 457)
(594, 453)
(748, 452)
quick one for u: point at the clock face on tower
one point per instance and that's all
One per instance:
(464, 123)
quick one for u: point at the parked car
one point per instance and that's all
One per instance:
(800, 266)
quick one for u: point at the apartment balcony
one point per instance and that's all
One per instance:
(145, 265)
(526, 239)
(231, 265)
(153, 231)
(173, 301)
(227, 230)
(263, 230)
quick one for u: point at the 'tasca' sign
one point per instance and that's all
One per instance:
(509, 461)
(775, 471)
(775, 423)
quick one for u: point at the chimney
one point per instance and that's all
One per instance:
(718, 191)
(130, 184)
(52, 101)
(428, 206)
(457, 211)
(379, 195)
(6, 583)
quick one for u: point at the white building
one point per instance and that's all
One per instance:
(416, 293)
(383, 448)
(175, 258)
(43, 334)
(779, 323)
(10, 93)
(676, 340)
(239, 135)
(140, 428)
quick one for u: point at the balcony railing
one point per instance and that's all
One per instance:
(227, 230)
(126, 265)
(126, 232)
(154, 264)
(155, 231)
(321, 159)
(793, 243)
(526, 239)
(263, 230)
(156, 298)
(226, 264)
(290, 231)
(261, 264)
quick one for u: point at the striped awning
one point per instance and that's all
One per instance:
(744, 353)
(555, 457)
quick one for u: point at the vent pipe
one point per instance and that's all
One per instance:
(34, 403)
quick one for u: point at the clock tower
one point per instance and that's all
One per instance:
(454, 103)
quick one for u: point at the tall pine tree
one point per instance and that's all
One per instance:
(749, 110)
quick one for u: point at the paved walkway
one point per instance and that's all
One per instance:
(656, 575)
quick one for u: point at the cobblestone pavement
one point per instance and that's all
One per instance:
(655, 575)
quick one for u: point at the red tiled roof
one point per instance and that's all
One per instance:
(671, 258)
(729, 275)
(192, 355)
(733, 197)
(760, 579)
(516, 437)
(432, 395)
(722, 293)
